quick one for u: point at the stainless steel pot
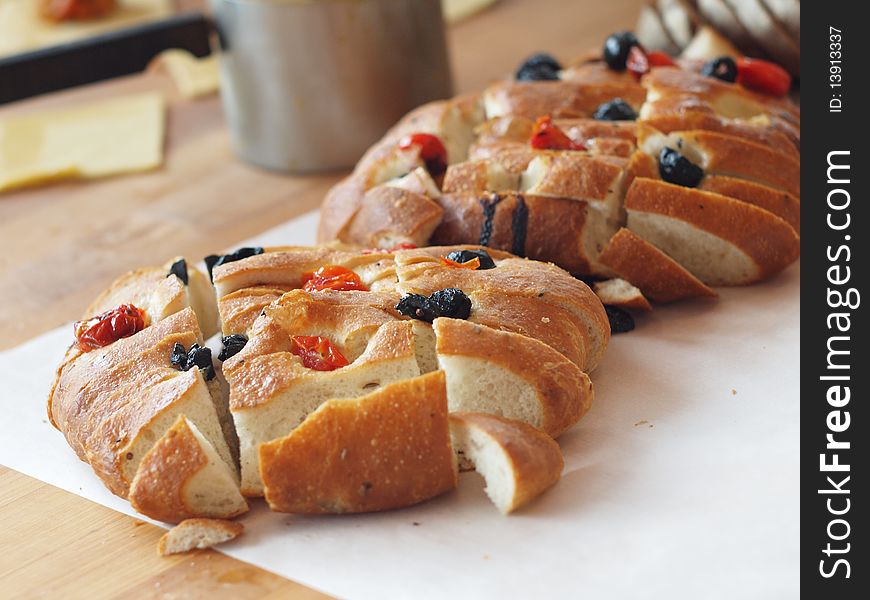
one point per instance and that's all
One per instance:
(308, 85)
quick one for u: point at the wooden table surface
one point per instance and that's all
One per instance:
(64, 243)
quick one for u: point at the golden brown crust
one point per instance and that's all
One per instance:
(389, 216)
(768, 240)
(563, 390)
(102, 400)
(382, 451)
(546, 283)
(658, 276)
(558, 98)
(160, 488)
(782, 204)
(197, 534)
(535, 458)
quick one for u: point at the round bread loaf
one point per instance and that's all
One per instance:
(337, 371)
(565, 201)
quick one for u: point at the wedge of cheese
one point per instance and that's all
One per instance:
(121, 135)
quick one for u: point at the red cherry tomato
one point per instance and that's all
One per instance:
(317, 353)
(472, 264)
(109, 327)
(763, 76)
(640, 61)
(432, 151)
(332, 277)
(657, 58)
(547, 136)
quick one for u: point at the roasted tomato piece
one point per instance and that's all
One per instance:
(109, 327)
(547, 136)
(473, 264)
(318, 353)
(332, 277)
(763, 76)
(432, 151)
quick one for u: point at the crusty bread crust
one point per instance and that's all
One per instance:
(658, 276)
(385, 450)
(198, 534)
(164, 486)
(534, 458)
(562, 391)
(767, 240)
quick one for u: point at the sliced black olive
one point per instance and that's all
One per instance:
(179, 269)
(464, 256)
(539, 67)
(232, 345)
(198, 356)
(616, 49)
(615, 110)
(417, 307)
(723, 68)
(214, 260)
(620, 320)
(452, 303)
(677, 169)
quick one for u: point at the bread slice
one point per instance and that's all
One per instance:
(198, 534)
(271, 392)
(420, 272)
(510, 375)
(720, 154)
(182, 476)
(658, 276)
(619, 292)
(390, 215)
(385, 450)
(114, 403)
(160, 294)
(518, 462)
(720, 240)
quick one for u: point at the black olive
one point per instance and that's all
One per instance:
(179, 269)
(723, 68)
(676, 168)
(616, 49)
(232, 345)
(452, 303)
(615, 110)
(464, 256)
(620, 320)
(178, 357)
(417, 307)
(214, 260)
(198, 356)
(539, 67)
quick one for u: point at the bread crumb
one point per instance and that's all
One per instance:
(733, 392)
(545, 319)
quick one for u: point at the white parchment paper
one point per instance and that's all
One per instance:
(681, 482)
